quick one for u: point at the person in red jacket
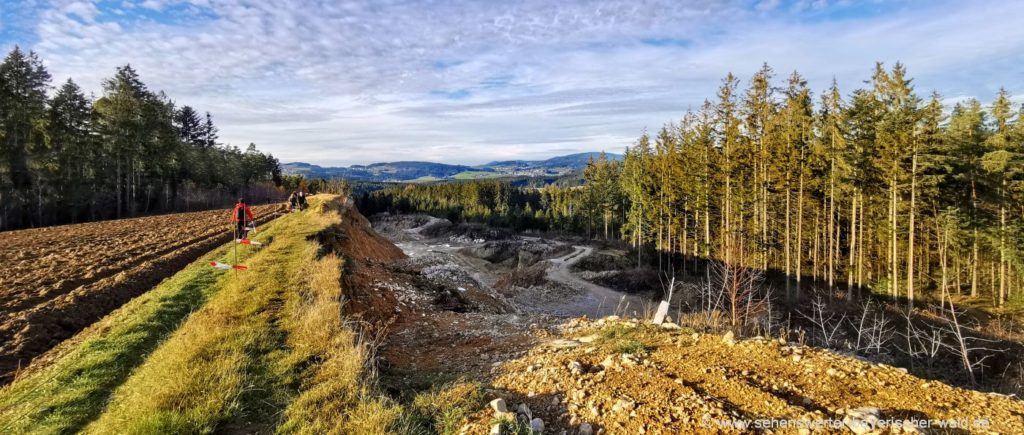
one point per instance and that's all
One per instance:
(241, 216)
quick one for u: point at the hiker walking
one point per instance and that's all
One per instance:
(241, 216)
(293, 200)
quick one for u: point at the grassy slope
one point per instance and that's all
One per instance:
(268, 346)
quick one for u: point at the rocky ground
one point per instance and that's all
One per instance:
(511, 314)
(623, 376)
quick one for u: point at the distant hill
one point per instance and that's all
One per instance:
(429, 171)
(570, 161)
(394, 171)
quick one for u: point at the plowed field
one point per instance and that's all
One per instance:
(56, 281)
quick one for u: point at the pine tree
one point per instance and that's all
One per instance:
(966, 136)
(798, 133)
(727, 129)
(72, 151)
(23, 84)
(1002, 164)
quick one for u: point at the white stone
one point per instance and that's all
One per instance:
(608, 362)
(496, 429)
(729, 339)
(498, 405)
(586, 429)
(564, 344)
(862, 420)
(623, 405)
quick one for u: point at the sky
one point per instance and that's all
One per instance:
(338, 83)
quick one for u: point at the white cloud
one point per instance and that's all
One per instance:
(358, 82)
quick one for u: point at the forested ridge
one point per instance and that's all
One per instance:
(877, 188)
(71, 158)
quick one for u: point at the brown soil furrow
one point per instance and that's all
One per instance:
(140, 250)
(124, 259)
(129, 261)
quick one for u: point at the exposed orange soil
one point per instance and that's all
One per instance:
(56, 281)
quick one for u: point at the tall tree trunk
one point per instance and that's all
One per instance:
(817, 238)
(893, 259)
(860, 250)
(943, 253)
(836, 262)
(728, 218)
(789, 279)
(39, 200)
(853, 245)
(910, 242)
(764, 217)
(707, 220)
(831, 222)
(958, 268)
(1002, 252)
(799, 229)
(974, 240)
(117, 188)
(606, 218)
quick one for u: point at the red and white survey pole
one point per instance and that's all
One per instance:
(238, 241)
(225, 266)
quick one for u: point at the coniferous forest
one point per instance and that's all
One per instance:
(66, 157)
(878, 188)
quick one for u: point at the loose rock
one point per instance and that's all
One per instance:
(729, 339)
(537, 425)
(862, 420)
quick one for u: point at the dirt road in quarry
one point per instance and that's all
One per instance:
(594, 300)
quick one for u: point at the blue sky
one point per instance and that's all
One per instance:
(335, 83)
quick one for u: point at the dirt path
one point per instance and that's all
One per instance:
(595, 300)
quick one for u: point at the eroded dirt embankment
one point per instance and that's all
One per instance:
(58, 280)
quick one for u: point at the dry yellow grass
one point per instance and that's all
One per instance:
(337, 393)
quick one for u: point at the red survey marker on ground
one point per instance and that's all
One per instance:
(223, 266)
(248, 242)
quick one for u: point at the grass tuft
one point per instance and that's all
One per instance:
(633, 347)
(443, 410)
